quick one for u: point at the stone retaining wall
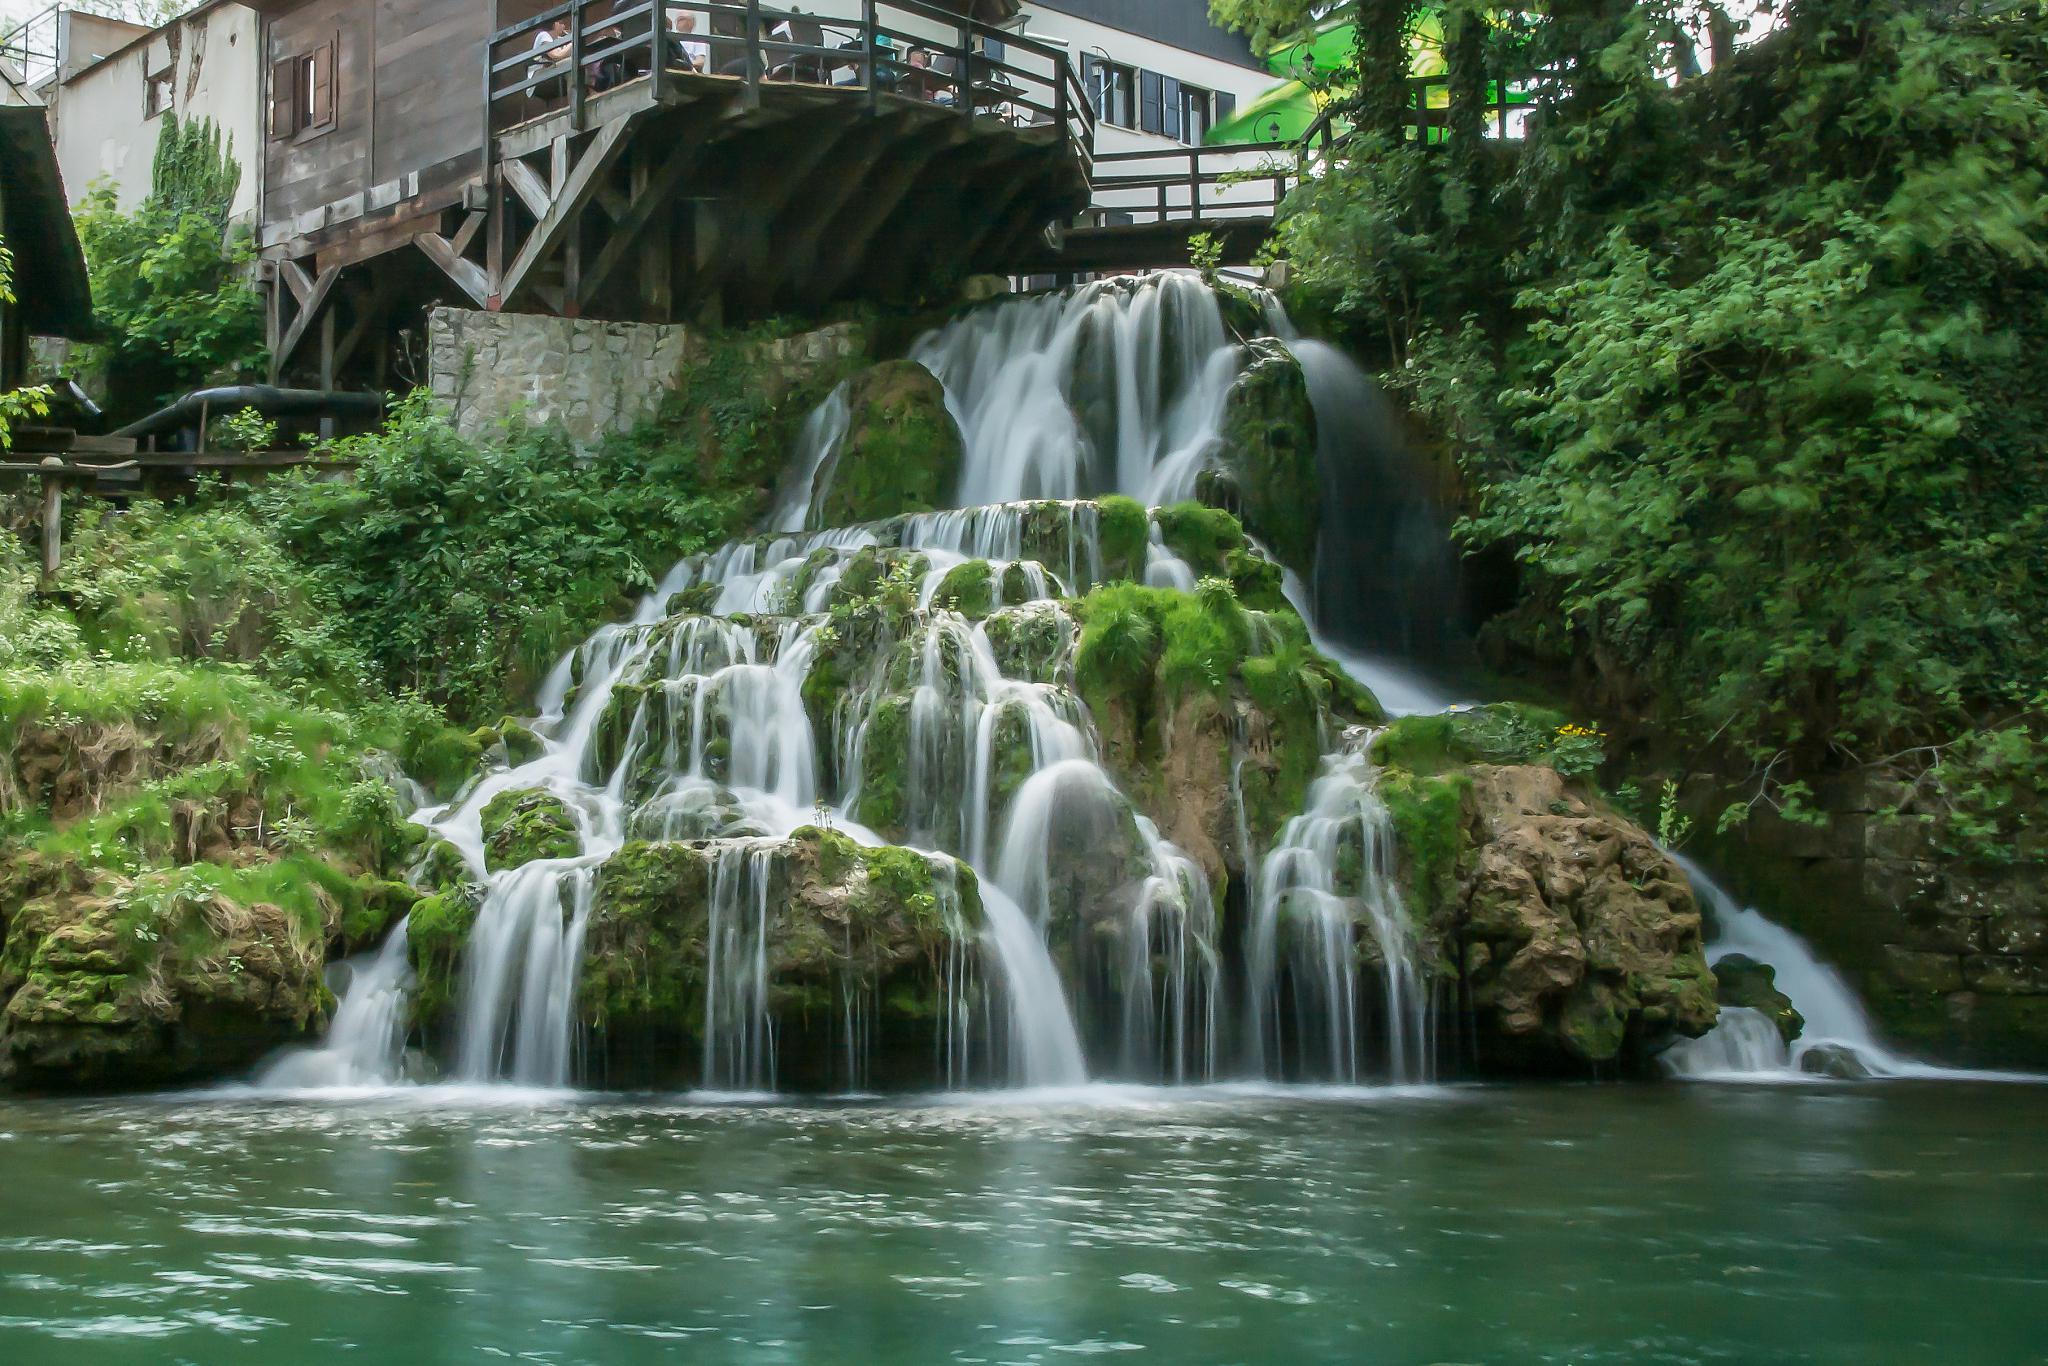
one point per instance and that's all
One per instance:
(590, 376)
(1951, 956)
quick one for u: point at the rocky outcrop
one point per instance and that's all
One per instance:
(1743, 982)
(521, 826)
(845, 932)
(116, 982)
(901, 452)
(1580, 938)
(1267, 465)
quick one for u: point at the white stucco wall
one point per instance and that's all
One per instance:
(1081, 36)
(101, 131)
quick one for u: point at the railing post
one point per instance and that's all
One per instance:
(754, 69)
(1059, 99)
(576, 64)
(870, 42)
(657, 47)
(1195, 184)
(964, 94)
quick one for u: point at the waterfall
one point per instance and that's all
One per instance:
(367, 1035)
(1304, 912)
(1835, 1019)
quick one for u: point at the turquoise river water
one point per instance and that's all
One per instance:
(1836, 1223)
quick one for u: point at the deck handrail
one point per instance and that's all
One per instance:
(977, 69)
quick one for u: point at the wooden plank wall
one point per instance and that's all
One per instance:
(408, 97)
(304, 172)
(430, 76)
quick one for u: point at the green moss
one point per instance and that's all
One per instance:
(885, 767)
(1500, 733)
(435, 937)
(1269, 455)
(901, 452)
(1201, 535)
(522, 825)
(1427, 812)
(969, 589)
(1123, 530)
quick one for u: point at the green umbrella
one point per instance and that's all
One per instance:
(1282, 114)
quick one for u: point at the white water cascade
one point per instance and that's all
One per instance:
(366, 1037)
(1115, 387)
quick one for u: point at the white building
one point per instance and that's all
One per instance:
(1159, 72)
(109, 85)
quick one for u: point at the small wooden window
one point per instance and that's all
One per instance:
(302, 93)
(157, 91)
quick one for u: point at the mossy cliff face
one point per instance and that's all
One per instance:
(1202, 704)
(901, 452)
(1267, 471)
(876, 931)
(117, 982)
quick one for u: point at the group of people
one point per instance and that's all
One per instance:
(686, 49)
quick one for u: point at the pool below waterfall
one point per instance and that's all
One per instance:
(1691, 1222)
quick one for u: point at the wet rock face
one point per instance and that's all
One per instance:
(521, 826)
(1268, 458)
(1742, 981)
(97, 999)
(841, 932)
(1581, 939)
(901, 452)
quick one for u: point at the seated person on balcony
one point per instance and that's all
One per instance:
(607, 71)
(550, 47)
(685, 51)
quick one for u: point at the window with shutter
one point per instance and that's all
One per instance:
(1170, 107)
(1150, 118)
(320, 89)
(284, 119)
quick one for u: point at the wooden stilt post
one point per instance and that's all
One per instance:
(53, 519)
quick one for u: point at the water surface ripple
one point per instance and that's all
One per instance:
(1851, 1224)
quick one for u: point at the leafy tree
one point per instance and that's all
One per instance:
(170, 281)
(1739, 366)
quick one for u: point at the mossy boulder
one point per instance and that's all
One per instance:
(1740, 980)
(1581, 941)
(112, 982)
(875, 930)
(901, 452)
(1266, 468)
(525, 824)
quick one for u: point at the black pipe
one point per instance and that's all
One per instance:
(264, 398)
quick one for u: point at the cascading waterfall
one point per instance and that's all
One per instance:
(367, 1034)
(1331, 861)
(1115, 387)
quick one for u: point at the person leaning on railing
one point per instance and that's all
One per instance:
(550, 49)
(685, 51)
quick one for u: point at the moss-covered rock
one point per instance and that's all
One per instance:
(901, 452)
(524, 824)
(844, 922)
(1581, 942)
(117, 982)
(1267, 464)
(1742, 981)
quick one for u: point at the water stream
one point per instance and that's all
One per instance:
(1118, 387)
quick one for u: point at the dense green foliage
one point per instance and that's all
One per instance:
(462, 568)
(1738, 367)
(170, 281)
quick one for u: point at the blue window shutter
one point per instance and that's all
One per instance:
(1150, 117)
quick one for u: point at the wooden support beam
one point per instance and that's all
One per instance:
(464, 272)
(310, 309)
(295, 278)
(525, 182)
(572, 195)
(649, 199)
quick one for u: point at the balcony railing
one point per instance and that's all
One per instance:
(1191, 184)
(572, 54)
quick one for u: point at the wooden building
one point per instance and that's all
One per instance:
(654, 160)
(51, 295)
